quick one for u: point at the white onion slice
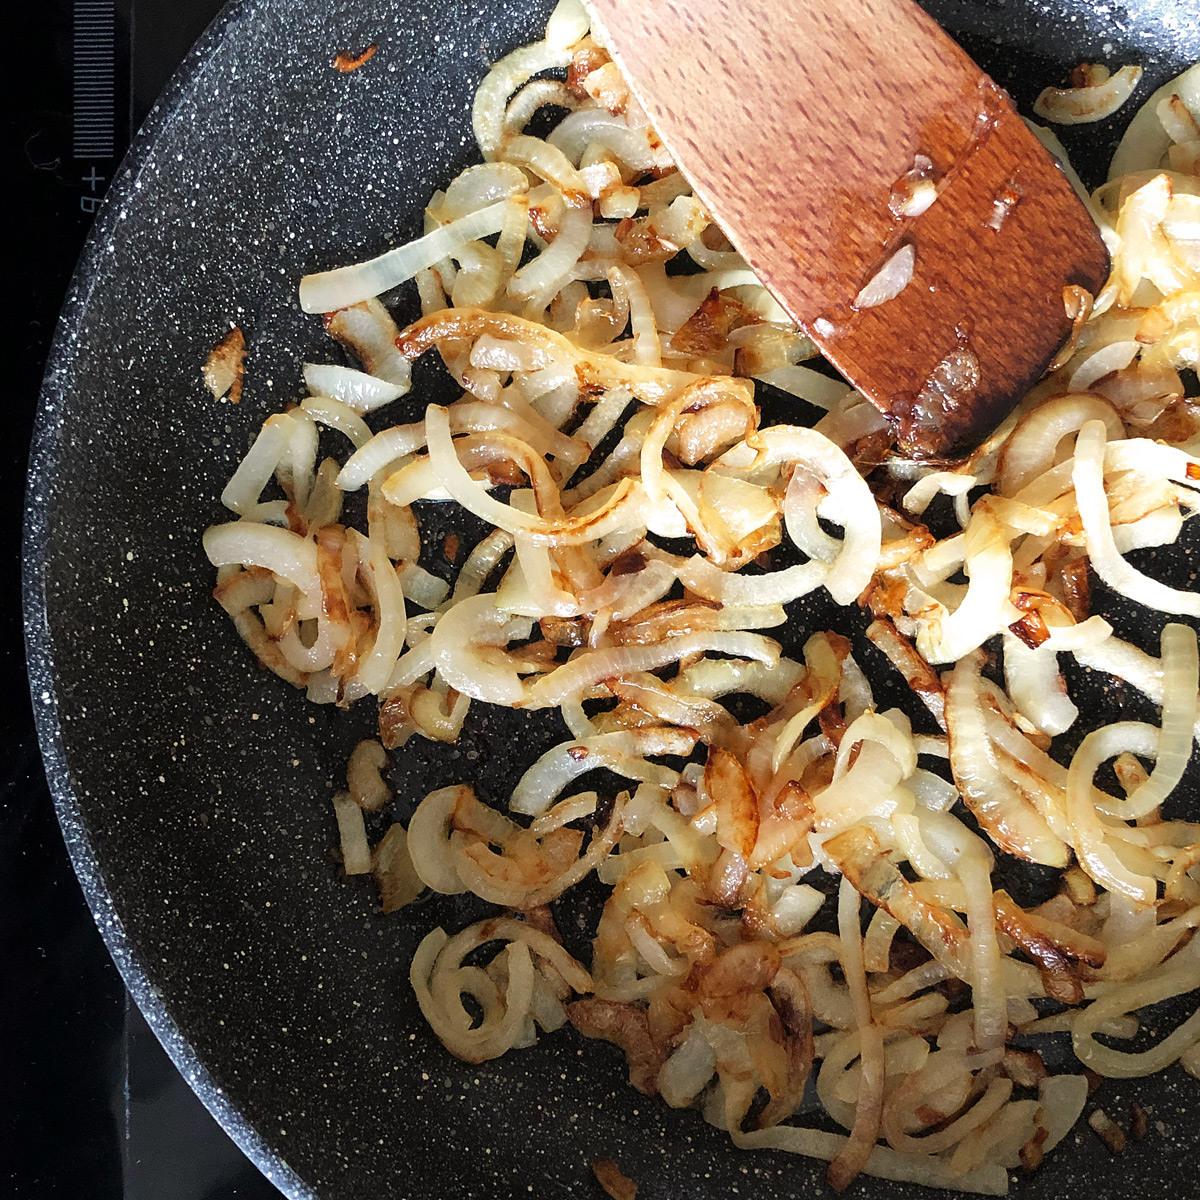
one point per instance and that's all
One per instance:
(1088, 476)
(429, 841)
(1173, 745)
(328, 291)
(541, 158)
(1145, 141)
(985, 609)
(623, 752)
(477, 187)
(1089, 835)
(883, 1163)
(591, 126)
(848, 503)
(376, 669)
(335, 415)
(255, 470)
(590, 667)
(538, 281)
(467, 645)
(369, 331)
(280, 551)
(356, 389)
(890, 280)
(807, 384)
(1075, 106)
(1179, 975)
(567, 25)
(432, 979)
(1037, 687)
(1007, 817)
(356, 852)
(953, 483)
(646, 348)
(491, 98)
(1029, 451)
(1116, 356)
(467, 416)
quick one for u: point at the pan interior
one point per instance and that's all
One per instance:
(193, 788)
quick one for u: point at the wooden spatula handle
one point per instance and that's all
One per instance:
(796, 119)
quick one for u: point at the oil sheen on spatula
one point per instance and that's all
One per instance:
(836, 142)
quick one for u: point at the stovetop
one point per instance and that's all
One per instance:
(91, 1108)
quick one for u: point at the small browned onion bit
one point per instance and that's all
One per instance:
(1107, 1130)
(224, 369)
(346, 62)
(1138, 1125)
(613, 1180)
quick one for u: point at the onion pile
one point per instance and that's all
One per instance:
(647, 534)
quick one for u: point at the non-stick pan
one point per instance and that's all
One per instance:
(194, 789)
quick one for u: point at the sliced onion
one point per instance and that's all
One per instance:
(336, 415)
(603, 370)
(343, 286)
(1075, 106)
(890, 280)
(567, 25)
(356, 853)
(1030, 449)
(541, 158)
(595, 666)
(478, 187)
(883, 1163)
(466, 416)
(953, 483)
(285, 554)
(1037, 687)
(467, 646)
(1105, 361)
(622, 752)
(1181, 974)
(985, 609)
(364, 775)
(375, 670)
(537, 282)
(369, 331)
(590, 126)
(1171, 747)
(355, 389)
(1006, 816)
(1145, 141)
(491, 98)
(392, 865)
(1088, 477)
(646, 347)
(807, 384)
(848, 503)
(1090, 837)
(429, 841)
(254, 472)
(436, 968)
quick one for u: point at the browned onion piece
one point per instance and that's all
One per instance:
(224, 370)
(626, 1026)
(1091, 102)
(613, 1180)
(867, 865)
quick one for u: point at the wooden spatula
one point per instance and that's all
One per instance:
(811, 130)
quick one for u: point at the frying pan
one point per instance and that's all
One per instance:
(193, 789)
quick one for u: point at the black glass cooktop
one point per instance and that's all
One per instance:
(90, 1106)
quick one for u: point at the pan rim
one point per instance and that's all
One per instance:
(43, 454)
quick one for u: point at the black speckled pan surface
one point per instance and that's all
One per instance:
(194, 789)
